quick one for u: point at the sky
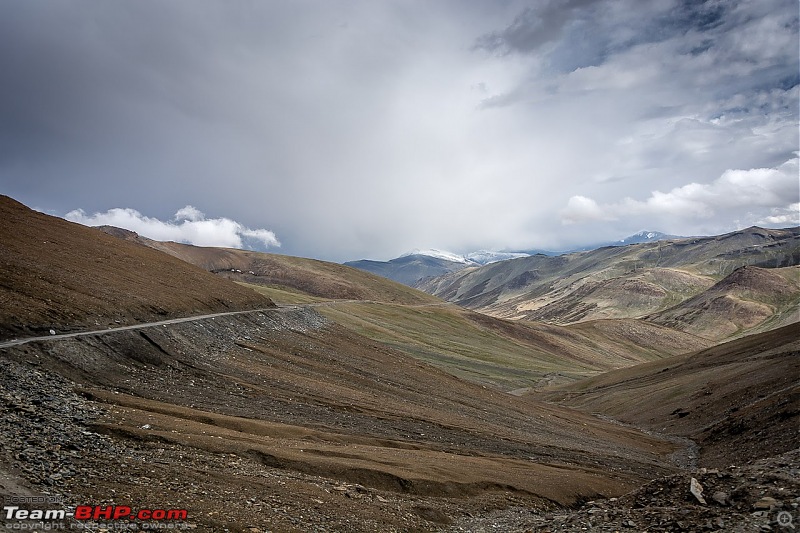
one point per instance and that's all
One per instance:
(343, 130)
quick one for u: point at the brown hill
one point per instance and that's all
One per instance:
(309, 276)
(748, 300)
(625, 296)
(739, 400)
(63, 276)
(473, 346)
(613, 282)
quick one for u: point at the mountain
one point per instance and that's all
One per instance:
(474, 347)
(420, 264)
(613, 282)
(409, 269)
(438, 254)
(416, 265)
(646, 236)
(485, 257)
(311, 277)
(636, 238)
(64, 276)
(481, 257)
(360, 404)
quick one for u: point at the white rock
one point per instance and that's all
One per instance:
(697, 490)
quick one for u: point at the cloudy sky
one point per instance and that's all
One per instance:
(362, 129)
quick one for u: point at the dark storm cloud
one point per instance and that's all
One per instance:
(89, 87)
(364, 129)
(533, 27)
(162, 104)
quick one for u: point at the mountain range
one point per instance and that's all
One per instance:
(416, 265)
(664, 282)
(262, 392)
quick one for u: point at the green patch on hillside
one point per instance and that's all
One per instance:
(445, 338)
(284, 295)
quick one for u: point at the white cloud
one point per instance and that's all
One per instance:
(189, 213)
(789, 216)
(770, 190)
(189, 226)
(580, 208)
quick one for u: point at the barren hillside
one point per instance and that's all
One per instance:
(738, 401)
(473, 346)
(63, 276)
(748, 300)
(279, 409)
(320, 279)
(615, 282)
(360, 404)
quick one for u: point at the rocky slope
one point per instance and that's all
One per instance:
(280, 419)
(760, 495)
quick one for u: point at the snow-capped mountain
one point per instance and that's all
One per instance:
(636, 238)
(646, 236)
(418, 264)
(414, 266)
(423, 263)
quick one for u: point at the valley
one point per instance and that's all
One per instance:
(270, 393)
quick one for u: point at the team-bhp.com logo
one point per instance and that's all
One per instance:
(122, 512)
(89, 517)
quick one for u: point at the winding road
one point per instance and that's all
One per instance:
(278, 307)
(18, 342)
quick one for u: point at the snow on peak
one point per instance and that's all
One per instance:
(481, 257)
(643, 236)
(484, 257)
(439, 254)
